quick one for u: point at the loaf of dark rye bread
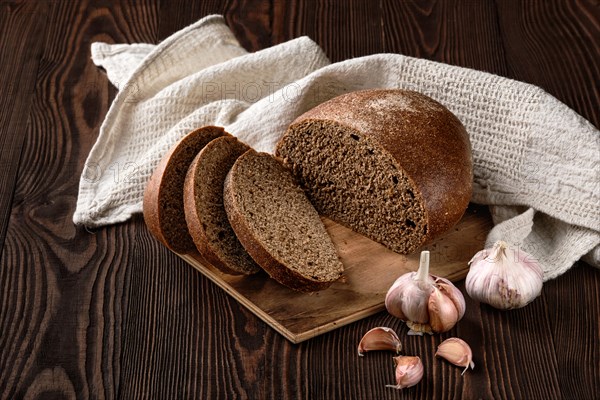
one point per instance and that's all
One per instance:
(163, 197)
(278, 226)
(393, 165)
(204, 210)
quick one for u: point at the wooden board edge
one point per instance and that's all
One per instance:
(367, 312)
(295, 338)
(265, 317)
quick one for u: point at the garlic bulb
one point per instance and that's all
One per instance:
(426, 303)
(457, 351)
(503, 277)
(380, 338)
(409, 371)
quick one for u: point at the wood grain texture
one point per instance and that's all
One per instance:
(555, 45)
(250, 20)
(26, 21)
(62, 287)
(369, 271)
(357, 25)
(446, 31)
(113, 314)
(185, 337)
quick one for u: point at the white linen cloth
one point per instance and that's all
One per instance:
(536, 161)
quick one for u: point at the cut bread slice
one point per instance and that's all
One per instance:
(163, 197)
(204, 211)
(277, 224)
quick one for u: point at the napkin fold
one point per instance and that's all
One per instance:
(536, 161)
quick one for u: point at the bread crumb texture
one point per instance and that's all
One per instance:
(393, 165)
(163, 198)
(282, 222)
(205, 212)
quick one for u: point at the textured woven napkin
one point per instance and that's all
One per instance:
(536, 162)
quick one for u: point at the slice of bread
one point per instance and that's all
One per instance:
(393, 165)
(277, 224)
(205, 212)
(163, 197)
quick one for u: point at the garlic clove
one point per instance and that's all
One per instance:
(409, 371)
(394, 293)
(380, 338)
(407, 300)
(503, 277)
(452, 292)
(443, 314)
(456, 351)
(414, 303)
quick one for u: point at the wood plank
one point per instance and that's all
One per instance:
(555, 45)
(573, 305)
(184, 337)
(62, 287)
(444, 31)
(250, 20)
(342, 29)
(113, 314)
(369, 271)
(22, 29)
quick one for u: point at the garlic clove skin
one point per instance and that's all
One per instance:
(409, 371)
(452, 292)
(380, 338)
(443, 314)
(407, 300)
(503, 277)
(393, 306)
(456, 351)
(416, 329)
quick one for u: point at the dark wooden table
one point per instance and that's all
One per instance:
(111, 313)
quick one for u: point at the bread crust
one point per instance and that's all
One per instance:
(156, 188)
(192, 217)
(400, 120)
(274, 267)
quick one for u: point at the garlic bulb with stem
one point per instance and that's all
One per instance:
(409, 371)
(426, 303)
(504, 277)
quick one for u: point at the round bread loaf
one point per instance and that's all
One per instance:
(393, 165)
(277, 225)
(204, 210)
(163, 197)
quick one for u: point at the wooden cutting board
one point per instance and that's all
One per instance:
(370, 269)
